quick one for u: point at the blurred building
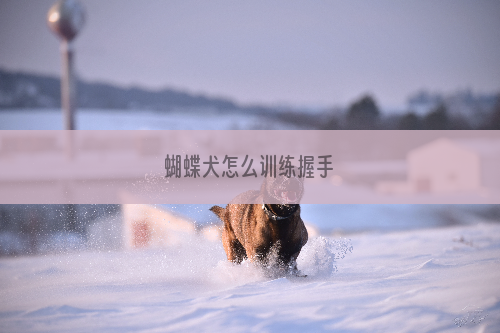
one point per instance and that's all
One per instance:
(148, 226)
(445, 166)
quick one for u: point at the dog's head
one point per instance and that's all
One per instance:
(282, 190)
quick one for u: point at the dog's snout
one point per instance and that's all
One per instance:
(289, 191)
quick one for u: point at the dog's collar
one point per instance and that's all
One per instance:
(275, 217)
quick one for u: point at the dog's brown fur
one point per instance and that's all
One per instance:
(250, 231)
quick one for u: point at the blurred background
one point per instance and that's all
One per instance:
(193, 65)
(260, 65)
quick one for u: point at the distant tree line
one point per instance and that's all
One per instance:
(364, 114)
(21, 90)
(25, 228)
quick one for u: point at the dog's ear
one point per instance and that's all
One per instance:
(219, 211)
(266, 190)
(263, 187)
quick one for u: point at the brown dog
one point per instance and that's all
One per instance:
(271, 225)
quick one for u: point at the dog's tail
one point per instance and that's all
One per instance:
(219, 211)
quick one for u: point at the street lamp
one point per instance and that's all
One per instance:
(65, 18)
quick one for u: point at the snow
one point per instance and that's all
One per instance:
(427, 280)
(388, 275)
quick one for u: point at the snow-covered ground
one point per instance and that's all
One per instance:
(427, 280)
(92, 119)
(389, 275)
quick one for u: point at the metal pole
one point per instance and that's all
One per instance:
(68, 94)
(68, 86)
(68, 108)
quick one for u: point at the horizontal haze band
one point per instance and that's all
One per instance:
(354, 167)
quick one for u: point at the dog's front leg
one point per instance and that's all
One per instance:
(235, 252)
(293, 266)
(258, 255)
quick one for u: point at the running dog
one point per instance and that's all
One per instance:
(267, 222)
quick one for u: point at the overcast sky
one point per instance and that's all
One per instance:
(274, 52)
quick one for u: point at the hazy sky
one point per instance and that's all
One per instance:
(292, 52)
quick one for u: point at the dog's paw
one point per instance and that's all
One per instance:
(297, 277)
(295, 273)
